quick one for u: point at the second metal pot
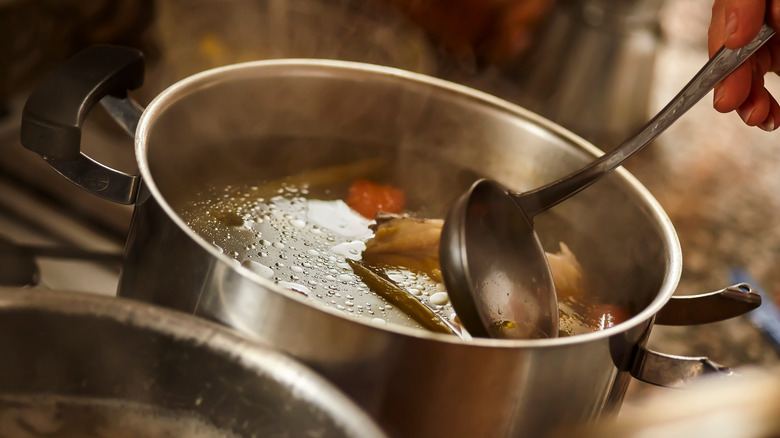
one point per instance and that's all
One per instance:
(76, 365)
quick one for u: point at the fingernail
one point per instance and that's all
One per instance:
(768, 125)
(746, 112)
(718, 95)
(731, 26)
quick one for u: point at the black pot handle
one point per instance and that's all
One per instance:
(55, 112)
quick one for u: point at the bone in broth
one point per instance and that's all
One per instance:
(313, 243)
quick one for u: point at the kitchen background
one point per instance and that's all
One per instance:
(599, 68)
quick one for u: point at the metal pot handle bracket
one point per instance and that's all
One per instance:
(54, 114)
(675, 371)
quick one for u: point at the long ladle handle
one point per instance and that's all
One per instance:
(715, 70)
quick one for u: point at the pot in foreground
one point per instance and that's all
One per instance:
(76, 364)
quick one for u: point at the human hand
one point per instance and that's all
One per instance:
(734, 24)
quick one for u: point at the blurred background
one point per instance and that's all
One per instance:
(598, 67)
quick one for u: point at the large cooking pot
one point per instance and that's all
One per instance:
(266, 120)
(82, 365)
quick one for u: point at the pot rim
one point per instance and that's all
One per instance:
(204, 78)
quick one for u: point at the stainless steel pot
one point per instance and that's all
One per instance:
(77, 365)
(269, 119)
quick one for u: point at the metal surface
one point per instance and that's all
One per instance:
(125, 111)
(592, 67)
(86, 347)
(499, 284)
(191, 136)
(673, 371)
(103, 181)
(428, 130)
(490, 243)
(54, 131)
(726, 303)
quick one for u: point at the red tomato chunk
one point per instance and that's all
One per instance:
(368, 198)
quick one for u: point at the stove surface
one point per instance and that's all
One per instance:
(29, 219)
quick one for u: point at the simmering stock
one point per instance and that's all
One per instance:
(301, 239)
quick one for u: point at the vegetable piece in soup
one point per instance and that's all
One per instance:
(368, 198)
(405, 241)
(413, 243)
(566, 272)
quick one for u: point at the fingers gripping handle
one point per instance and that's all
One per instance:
(55, 112)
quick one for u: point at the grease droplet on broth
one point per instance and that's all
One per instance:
(440, 298)
(258, 268)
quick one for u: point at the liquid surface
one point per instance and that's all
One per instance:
(301, 240)
(43, 416)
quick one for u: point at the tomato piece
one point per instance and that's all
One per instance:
(368, 198)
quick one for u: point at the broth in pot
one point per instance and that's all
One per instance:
(311, 238)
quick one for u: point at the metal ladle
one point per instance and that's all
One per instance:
(493, 264)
